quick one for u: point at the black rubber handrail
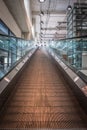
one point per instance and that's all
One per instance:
(85, 36)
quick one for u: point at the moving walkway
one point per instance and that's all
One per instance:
(40, 97)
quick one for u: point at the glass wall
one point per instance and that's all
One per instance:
(11, 51)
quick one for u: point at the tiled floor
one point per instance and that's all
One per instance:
(42, 99)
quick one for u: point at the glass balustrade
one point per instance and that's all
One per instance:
(73, 51)
(12, 49)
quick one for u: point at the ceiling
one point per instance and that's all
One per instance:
(54, 18)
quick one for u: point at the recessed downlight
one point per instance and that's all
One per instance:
(41, 1)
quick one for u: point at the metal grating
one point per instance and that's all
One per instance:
(42, 99)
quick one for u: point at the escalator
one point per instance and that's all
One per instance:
(42, 99)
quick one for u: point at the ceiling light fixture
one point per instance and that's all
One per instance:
(41, 28)
(41, 1)
(69, 6)
(42, 22)
(42, 13)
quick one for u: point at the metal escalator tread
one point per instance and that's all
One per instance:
(42, 99)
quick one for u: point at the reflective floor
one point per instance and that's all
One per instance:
(42, 99)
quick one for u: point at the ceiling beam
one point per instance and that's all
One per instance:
(52, 36)
(50, 12)
(17, 9)
(60, 28)
(56, 34)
